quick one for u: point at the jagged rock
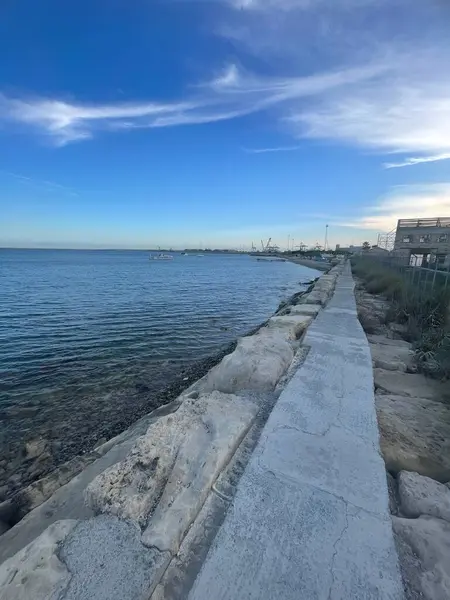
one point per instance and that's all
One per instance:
(36, 573)
(171, 469)
(257, 364)
(293, 325)
(420, 495)
(429, 539)
(325, 283)
(311, 310)
(414, 435)
(316, 297)
(406, 384)
(390, 357)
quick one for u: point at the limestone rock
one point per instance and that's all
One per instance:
(36, 572)
(26, 499)
(325, 284)
(293, 325)
(171, 469)
(385, 341)
(429, 538)
(421, 495)
(414, 435)
(398, 329)
(316, 297)
(108, 561)
(35, 448)
(407, 384)
(257, 364)
(390, 357)
(368, 320)
(311, 310)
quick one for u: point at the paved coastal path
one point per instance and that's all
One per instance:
(310, 519)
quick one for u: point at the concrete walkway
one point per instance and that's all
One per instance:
(310, 519)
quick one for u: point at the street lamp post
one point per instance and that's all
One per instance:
(326, 238)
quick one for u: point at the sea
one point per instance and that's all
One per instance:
(92, 340)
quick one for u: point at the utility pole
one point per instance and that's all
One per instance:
(289, 242)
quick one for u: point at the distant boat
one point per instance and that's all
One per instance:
(161, 256)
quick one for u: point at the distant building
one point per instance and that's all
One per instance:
(348, 249)
(423, 240)
(376, 250)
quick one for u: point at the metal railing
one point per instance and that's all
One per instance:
(427, 275)
(436, 222)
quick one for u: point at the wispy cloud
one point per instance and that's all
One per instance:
(406, 110)
(229, 95)
(408, 162)
(405, 201)
(287, 5)
(67, 122)
(345, 84)
(276, 149)
(50, 186)
(402, 112)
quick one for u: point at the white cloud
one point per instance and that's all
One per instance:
(405, 201)
(229, 77)
(386, 96)
(287, 5)
(66, 122)
(405, 111)
(389, 106)
(228, 96)
(408, 162)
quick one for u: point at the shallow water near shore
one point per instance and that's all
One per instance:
(92, 340)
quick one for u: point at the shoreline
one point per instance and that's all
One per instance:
(16, 504)
(168, 479)
(310, 264)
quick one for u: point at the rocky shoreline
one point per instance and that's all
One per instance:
(32, 473)
(156, 488)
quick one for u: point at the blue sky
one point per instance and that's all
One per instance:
(178, 122)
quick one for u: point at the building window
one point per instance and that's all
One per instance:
(424, 239)
(443, 238)
(407, 239)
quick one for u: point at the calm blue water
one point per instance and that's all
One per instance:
(86, 336)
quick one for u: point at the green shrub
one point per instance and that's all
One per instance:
(425, 311)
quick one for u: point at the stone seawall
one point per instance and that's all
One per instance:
(310, 518)
(113, 531)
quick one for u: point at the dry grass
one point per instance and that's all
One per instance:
(424, 311)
